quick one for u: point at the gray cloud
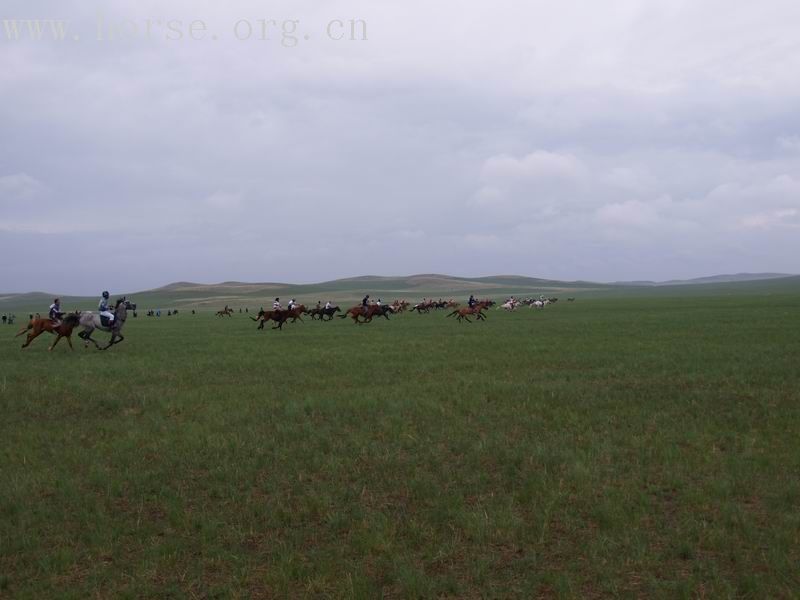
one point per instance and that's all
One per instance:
(629, 140)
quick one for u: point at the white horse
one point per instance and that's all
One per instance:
(91, 321)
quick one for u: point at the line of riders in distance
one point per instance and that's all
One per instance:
(366, 303)
(55, 313)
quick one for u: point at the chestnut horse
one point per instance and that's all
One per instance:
(373, 310)
(466, 312)
(280, 316)
(63, 329)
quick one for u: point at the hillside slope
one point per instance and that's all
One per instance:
(253, 295)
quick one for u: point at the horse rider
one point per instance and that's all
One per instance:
(55, 312)
(471, 302)
(277, 304)
(378, 303)
(365, 305)
(328, 305)
(104, 309)
(319, 304)
(291, 304)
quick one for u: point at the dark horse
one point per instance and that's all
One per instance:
(373, 310)
(62, 329)
(279, 316)
(91, 321)
(324, 312)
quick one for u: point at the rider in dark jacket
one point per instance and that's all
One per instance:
(56, 312)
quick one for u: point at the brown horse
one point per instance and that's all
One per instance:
(262, 317)
(225, 312)
(279, 316)
(296, 312)
(62, 329)
(373, 310)
(466, 312)
(399, 306)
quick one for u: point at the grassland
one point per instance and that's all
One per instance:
(643, 447)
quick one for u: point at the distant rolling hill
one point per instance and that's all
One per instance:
(237, 294)
(730, 278)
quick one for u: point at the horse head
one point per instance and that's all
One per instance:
(72, 318)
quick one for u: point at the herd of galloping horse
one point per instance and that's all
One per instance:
(360, 314)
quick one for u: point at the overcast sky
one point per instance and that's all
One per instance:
(627, 139)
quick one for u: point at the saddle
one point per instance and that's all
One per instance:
(105, 321)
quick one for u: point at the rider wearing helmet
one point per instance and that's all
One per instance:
(105, 310)
(55, 312)
(277, 304)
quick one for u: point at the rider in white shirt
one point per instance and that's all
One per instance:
(105, 310)
(277, 304)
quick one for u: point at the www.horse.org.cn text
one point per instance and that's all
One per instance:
(288, 33)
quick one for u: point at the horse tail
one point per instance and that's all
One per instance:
(28, 327)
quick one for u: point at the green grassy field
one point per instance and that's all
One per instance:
(641, 447)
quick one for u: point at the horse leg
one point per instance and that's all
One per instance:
(31, 337)
(53, 345)
(24, 330)
(87, 337)
(116, 338)
(111, 342)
